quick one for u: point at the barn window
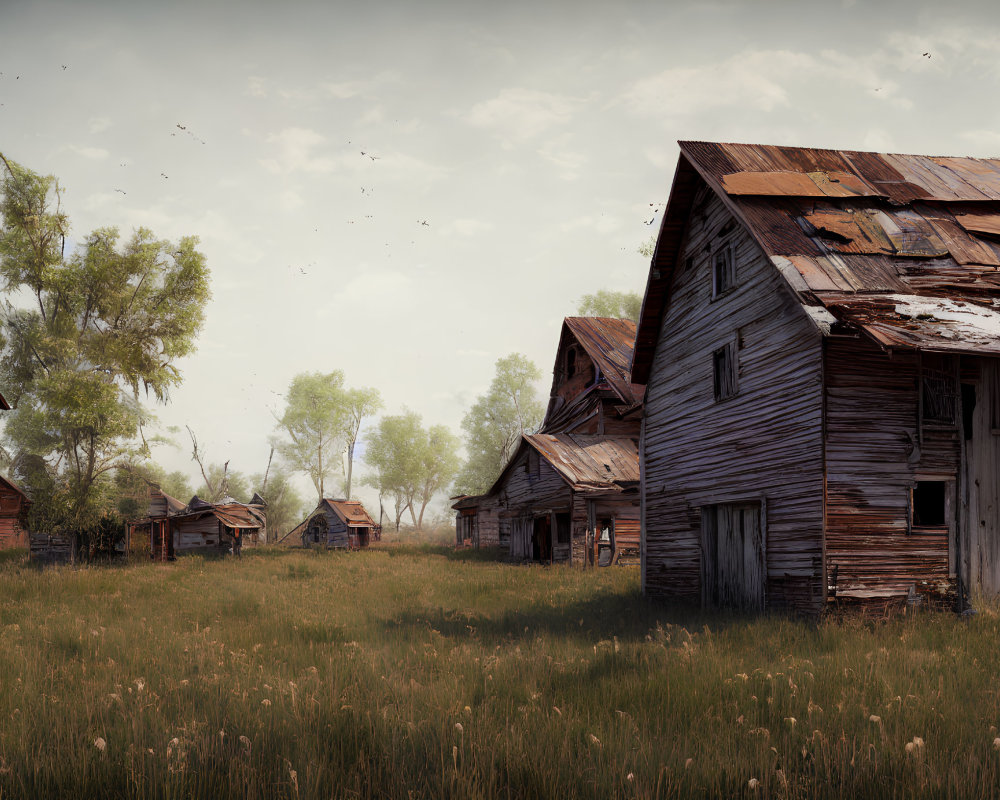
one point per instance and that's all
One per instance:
(724, 372)
(562, 528)
(570, 362)
(938, 390)
(929, 504)
(723, 270)
(531, 464)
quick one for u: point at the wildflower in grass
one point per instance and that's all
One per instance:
(556, 709)
(753, 784)
(918, 742)
(743, 676)
(688, 763)
(910, 748)
(140, 684)
(594, 740)
(876, 719)
(222, 735)
(100, 744)
(246, 744)
(468, 710)
(996, 743)
(265, 702)
(459, 728)
(630, 777)
(791, 721)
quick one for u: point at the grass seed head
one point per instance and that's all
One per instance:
(594, 740)
(100, 744)
(753, 784)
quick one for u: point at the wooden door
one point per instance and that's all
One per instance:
(733, 571)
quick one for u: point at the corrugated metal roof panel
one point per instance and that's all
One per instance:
(609, 343)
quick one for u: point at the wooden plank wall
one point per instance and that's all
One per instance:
(11, 532)
(875, 452)
(522, 495)
(764, 442)
(980, 504)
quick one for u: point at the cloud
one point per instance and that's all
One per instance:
(98, 124)
(558, 151)
(761, 81)
(518, 115)
(89, 152)
(256, 86)
(296, 148)
(467, 227)
(289, 200)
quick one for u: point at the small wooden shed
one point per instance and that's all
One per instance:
(13, 503)
(335, 524)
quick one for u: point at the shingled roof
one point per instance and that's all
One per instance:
(905, 248)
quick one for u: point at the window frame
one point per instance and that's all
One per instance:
(729, 355)
(727, 251)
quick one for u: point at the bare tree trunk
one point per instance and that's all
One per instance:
(350, 466)
(196, 455)
(267, 471)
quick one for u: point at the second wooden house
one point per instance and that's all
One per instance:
(569, 492)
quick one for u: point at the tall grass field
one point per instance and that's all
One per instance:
(409, 672)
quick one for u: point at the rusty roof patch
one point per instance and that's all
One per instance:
(609, 343)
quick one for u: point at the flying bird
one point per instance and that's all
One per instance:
(423, 222)
(64, 66)
(164, 175)
(121, 190)
(927, 55)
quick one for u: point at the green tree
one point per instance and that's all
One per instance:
(89, 334)
(495, 423)
(395, 450)
(284, 503)
(358, 403)
(440, 463)
(314, 422)
(607, 303)
(647, 248)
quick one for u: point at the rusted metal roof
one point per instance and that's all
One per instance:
(593, 463)
(838, 223)
(609, 343)
(352, 512)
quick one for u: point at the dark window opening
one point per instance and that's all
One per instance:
(531, 464)
(929, 503)
(939, 390)
(723, 271)
(724, 372)
(968, 408)
(570, 363)
(562, 528)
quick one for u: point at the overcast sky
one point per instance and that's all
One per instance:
(307, 143)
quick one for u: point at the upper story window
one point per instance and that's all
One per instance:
(723, 269)
(725, 371)
(939, 389)
(570, 362)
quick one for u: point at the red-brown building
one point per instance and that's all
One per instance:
(13, 502)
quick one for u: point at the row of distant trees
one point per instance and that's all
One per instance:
(98, 330)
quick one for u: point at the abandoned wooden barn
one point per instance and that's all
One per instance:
(177, 528)
(335, 524)
(820, 341)
(13, 503)
(569, 492)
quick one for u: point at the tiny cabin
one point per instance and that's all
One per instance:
(476, 521)
(13, 504)
(335, 524)
(820, 344)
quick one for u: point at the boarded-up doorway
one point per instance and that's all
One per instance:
(733, 556)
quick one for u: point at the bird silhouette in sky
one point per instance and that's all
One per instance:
(927, 55)
(423, 222)
(121, 190)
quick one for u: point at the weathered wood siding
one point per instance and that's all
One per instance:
(11, 532)
(521, 496)
(876, 451)
(979, 548)
(763, 443)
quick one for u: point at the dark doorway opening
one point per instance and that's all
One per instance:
(541, 539)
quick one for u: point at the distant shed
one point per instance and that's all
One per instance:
(335, 524)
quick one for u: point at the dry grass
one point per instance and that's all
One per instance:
(419, 672)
